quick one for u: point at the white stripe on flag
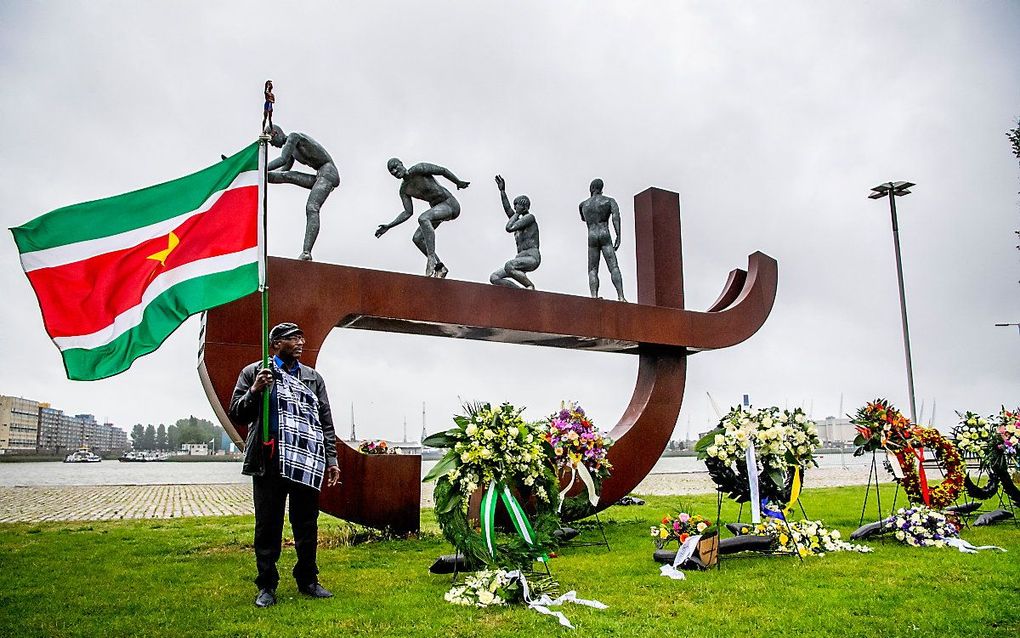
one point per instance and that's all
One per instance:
(133, 316)
(70, 253)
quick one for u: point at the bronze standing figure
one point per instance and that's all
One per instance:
(596, 211)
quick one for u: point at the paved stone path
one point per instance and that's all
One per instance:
(115, 502)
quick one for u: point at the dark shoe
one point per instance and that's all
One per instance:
(315, 590)
(266, 598)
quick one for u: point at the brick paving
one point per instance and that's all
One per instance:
(115, 502)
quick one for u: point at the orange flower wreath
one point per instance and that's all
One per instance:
(945, 493)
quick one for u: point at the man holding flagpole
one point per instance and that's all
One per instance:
(288, 456)
(116, 276)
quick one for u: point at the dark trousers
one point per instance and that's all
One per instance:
(270, 492)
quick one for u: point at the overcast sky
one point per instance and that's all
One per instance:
(772, 120)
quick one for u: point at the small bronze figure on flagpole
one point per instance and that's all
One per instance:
(596, 212)
(419, 182)
(302, 148)
(523, 225)
(267, 108)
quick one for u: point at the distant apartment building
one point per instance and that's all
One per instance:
(61, 433)
(89, 432)
(101, 437)
(19, 425)
(114, 438)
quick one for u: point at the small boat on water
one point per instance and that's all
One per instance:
(82, 456)
(142, 456)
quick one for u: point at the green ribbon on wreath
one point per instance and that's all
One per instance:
(499, 491)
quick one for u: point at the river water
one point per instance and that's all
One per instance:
(169, 473)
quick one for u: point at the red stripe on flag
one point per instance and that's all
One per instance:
(85, 296)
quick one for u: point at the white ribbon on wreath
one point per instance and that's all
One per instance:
(967, 548)
(544, 602)
(682, 554)
(752, 481)
(579, 469)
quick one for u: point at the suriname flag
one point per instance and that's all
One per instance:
(116, 276)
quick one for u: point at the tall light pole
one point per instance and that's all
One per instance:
(892, 190)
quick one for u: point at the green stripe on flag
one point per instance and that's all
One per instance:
(161, 317)
(115, 215)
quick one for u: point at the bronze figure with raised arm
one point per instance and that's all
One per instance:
(596, 212)
(302, 148)
(523, 225)
(419, 182)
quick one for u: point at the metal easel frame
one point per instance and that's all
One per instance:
(1004, 503)
(873, 474)
(602, 531)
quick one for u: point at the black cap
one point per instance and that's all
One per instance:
(284, 330)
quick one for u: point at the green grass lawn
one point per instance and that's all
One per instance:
(190, 577)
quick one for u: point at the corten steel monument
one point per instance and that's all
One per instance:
(385, 490)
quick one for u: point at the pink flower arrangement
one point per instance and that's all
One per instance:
(376, 447)
(575, 439)
(1009, 431)
(680, 527)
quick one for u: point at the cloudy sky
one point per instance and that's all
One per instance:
(772, 120)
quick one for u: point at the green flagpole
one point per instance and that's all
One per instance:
(263, 287)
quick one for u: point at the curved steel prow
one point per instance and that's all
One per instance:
(385, 491)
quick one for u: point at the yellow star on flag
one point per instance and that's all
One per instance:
(161, 256)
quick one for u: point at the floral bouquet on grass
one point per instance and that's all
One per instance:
(576, 441)
(971, 435)
(784, 443)
(680, 527)
(1004, 442)
(808, 538)
(493, 587)
(1002, 452)
(880, 426)
(494, 450)
(491, 444)
(580, 451)
(372, 447)
(921, 526)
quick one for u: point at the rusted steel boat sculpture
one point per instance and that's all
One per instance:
(385, 490)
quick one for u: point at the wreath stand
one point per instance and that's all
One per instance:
(720, 525)
(981, 471)
(873, 473)
(458, 556)
(1004, 503)
(603, 543)
(470, 560)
